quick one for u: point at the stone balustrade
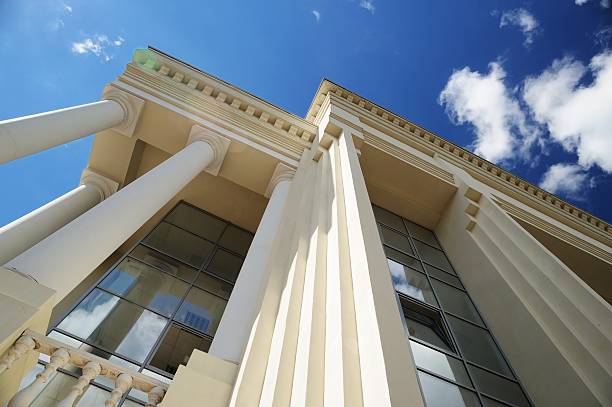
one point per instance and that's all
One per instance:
(92, 366)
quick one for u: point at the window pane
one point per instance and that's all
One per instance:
(114, 324)
(477, 345)
(403, 258)
(176, 348)
(180, 244)
(395, 240)
(196, 221)
(498, 386)
(225, 265)
(492, 403)
(426, 333)
(456, 301)
(389, 219)
(433, 256)
(163, 262)
(411, 282)
(432, 271)
(201, 311)
(237, 240)
(439, 393)
(424, 235)
(440, 363)
(214, 285)
(146, 286)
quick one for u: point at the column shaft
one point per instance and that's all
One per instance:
(64, 259)
(235, 326)
(30, 134)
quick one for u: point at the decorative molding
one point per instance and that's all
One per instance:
(131, 105)
(282, 172)
(218, 143)
(496, 176)
(105, 186)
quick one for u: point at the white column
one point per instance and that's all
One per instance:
(23, 233)
(64, 259)
(30, 134)
(235, 327)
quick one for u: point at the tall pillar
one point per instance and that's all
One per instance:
(23, 233)
(233, 332)
(30, 134)
(64, 259)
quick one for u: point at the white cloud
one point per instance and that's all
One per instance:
(368, 5)
(603, 36)
(97, 45)
(316, 14)
(522, 19)
(602, 3)
(67, 8)
(566, 179)
(579, 117)
(484, 101)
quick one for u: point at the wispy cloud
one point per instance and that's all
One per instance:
(368, 5)
(97, 45)
(67, 8)
(602, 3)
(603, 36)
(567, 179)
(64, 11)
(316, 14)
(522, 19)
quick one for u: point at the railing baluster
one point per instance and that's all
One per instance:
(24, 397)
(89, 372)
(155, 395)
(21, 346)
(122, 384)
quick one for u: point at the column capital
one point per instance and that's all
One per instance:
(105, 186)
(282, 172)
(218, 143)
(131, 105)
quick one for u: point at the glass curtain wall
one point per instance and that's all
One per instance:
(161, 301)
(459, 362)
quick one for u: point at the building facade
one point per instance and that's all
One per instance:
(220, 251)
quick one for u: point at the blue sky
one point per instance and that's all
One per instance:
(526, 84)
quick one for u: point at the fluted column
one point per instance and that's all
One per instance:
(27, 135)
(23, 233)
(65, 258)
(233, 332)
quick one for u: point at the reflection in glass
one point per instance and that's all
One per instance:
(389, 219)
(201, 311)
(194, 220)
(424, 235)
(427, 333)
(498, 386)
(236, 240)
(225, 265)
(214, 285)
(456, 301)
(439, 393)
(180, 244)
(411, 282)
(104, 320)
(440, 363)
(403, 258)
(163, 262)
(395, 240)
(433, 256)
(478, 346)
(176, 347)
(145, 286)
(441, 275)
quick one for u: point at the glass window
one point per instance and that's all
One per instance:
(58, 387)
(492, 403)
(176, 347)
(164, 263)
(116, 325)
(225, 265)
(441, 275)
(427, 329)
(440, 363)
(179, 244)
(433, 256)
(395, 240)
(411, 282)
(146, 286)
(194, 220)
(403, 258)
(201, 310)
(236, 240)
(424, 235)
(498, 387)
(478, 346)
(389, 219)
(214, 285)
(456, 301)
(439, 393)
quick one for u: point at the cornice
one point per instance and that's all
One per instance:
(493, 175)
